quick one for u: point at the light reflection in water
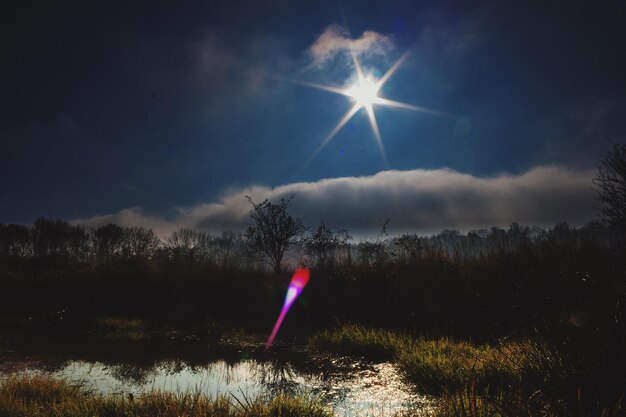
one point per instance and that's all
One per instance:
(350, 388)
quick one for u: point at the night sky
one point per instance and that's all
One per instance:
(165, 115)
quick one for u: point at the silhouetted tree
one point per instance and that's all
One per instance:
(14, 240)
(611, 181)
(561, 234)
(497, 238)
(272, 231)
(56, 237)
(229, 248)
(375, 253)
(108, 241)
(323, 244)
(189, 244)
(409, 247)
(140, 242)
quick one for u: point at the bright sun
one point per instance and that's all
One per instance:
(365, 92)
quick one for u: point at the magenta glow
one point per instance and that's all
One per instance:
(298, 282)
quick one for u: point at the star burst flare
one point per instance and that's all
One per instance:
(365, 94)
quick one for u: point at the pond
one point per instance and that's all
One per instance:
(349, 386)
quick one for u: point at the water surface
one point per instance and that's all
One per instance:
(349, 386)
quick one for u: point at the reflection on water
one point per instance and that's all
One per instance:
(350, 387)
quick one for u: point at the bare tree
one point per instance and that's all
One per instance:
(188, 243)
(611, 182)
(376, 252)
(272, 231)
(56, 237)
(139, 242)
(108, 241)
(15, 240)
(410, 247)
(323, 244)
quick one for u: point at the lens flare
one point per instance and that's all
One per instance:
(298, 282)
(365, 93)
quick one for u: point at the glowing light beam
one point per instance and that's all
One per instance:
(379, 140)
(323, 87)
(392, 70)
(298, 282)
(333, 132)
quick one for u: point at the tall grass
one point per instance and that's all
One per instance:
(358, 340)
(435, 365)
(522, 378)
(28, 396)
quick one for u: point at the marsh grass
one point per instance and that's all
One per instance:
(357, 340)
(27, 396)
(513, 378)
(435, 365)
(502, 403)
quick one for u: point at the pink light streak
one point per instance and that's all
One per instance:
(298, 282)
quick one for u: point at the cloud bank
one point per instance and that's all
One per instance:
(415, 201)
(335, 40)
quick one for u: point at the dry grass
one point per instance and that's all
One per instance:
(30, 396)
(436, 365)
(526, 378)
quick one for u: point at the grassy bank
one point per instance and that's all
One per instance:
(41, 396)
(521, 378)
(436, 365)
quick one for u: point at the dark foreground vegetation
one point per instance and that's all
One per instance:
(484, 284)
(500, 322)
(519, 322)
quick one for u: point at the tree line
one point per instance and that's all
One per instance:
(275, 233)
(322, 247)
(482, 282)
(56, 238)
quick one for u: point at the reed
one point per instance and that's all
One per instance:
(27, 396)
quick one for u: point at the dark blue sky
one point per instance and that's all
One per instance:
(111, 106)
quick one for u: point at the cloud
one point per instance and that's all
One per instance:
(335, 40)
(422, 201)
(134, 216)
(229, 73)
